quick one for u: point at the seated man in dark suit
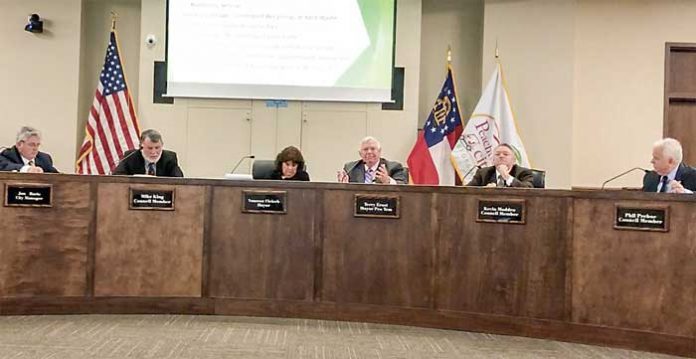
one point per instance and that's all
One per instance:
(25, 156)
(670, 175)
(504, 172)
(150, 159)
(371, 167)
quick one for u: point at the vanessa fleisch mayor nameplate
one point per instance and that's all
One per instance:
(502, 211)
(272, 202)
(152, 199)
(28, 195)
(376, 206)
(655, 218)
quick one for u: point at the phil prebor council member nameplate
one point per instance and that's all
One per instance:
(152, 199)
(642, 218)
(28, 195)
(501, 211)
(272, 202)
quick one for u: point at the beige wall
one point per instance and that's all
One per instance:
(535, 42)
(96, 25)
(586, 79)
(39, 73)
(459, 24)
(619, 76)
(328, 133)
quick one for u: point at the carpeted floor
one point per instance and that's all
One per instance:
(187, 336)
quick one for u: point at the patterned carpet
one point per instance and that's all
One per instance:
(186, 336)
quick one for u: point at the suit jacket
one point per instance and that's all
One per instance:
(356, 171)
(167, 166)
(685, 174)
(11, 160)
(300, 175)
(522, 177)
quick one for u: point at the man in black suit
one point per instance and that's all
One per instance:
(504, 172)
(670, 175)
(371, 167)
(25, 156)
(150, 159)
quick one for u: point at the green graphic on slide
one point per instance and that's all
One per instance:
(373, 68)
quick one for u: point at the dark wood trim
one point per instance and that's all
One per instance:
(207, 225)
(669, 96)
(92, 239)
(318, 246)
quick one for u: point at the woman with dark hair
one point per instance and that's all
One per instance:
(290, 165)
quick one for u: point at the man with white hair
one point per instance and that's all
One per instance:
(25, 156)
(670, 175)
(371, 167)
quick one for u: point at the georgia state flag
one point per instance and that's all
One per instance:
(430, 159)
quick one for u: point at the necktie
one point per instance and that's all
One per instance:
(664, 181)
(369, 176)
(150, 169)
(501, 182)
(30, 163)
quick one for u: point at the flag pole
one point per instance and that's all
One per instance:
(114, 16)
(449, 55)
(497, 54)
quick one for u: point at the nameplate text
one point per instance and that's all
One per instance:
(152, 199)
(28, 195)
(376, 206)
(501, 211)
(642, 218)
(271, 202)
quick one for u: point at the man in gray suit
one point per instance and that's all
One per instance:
(371, 167)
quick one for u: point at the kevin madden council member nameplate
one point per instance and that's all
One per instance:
(501, 211)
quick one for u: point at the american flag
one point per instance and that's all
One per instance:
(430, 159)
(112, 127)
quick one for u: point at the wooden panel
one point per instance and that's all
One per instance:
(682, 71)
(682, 126)
(262, 255)
(149, 253)
(376, 260)
(633, 279)
(43, 251)
(503, 268)
(680, 97)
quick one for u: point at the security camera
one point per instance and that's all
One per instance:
(35, 24)
(150, 40)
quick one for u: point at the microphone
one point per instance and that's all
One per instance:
(624, 173)
(477, 167)
(240, 162)
(124, 158)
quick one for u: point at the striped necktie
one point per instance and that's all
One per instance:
(664, 182)
(369, 175)
(150, 169)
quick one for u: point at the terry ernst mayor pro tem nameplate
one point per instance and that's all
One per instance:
(28, 195)
(501, 211)
(161, 200)
(376, 206)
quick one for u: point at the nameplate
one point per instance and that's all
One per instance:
(642, 218)
(376, 206)
(272, 202)
(28, 195)
(499, 211)
(152, 199)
